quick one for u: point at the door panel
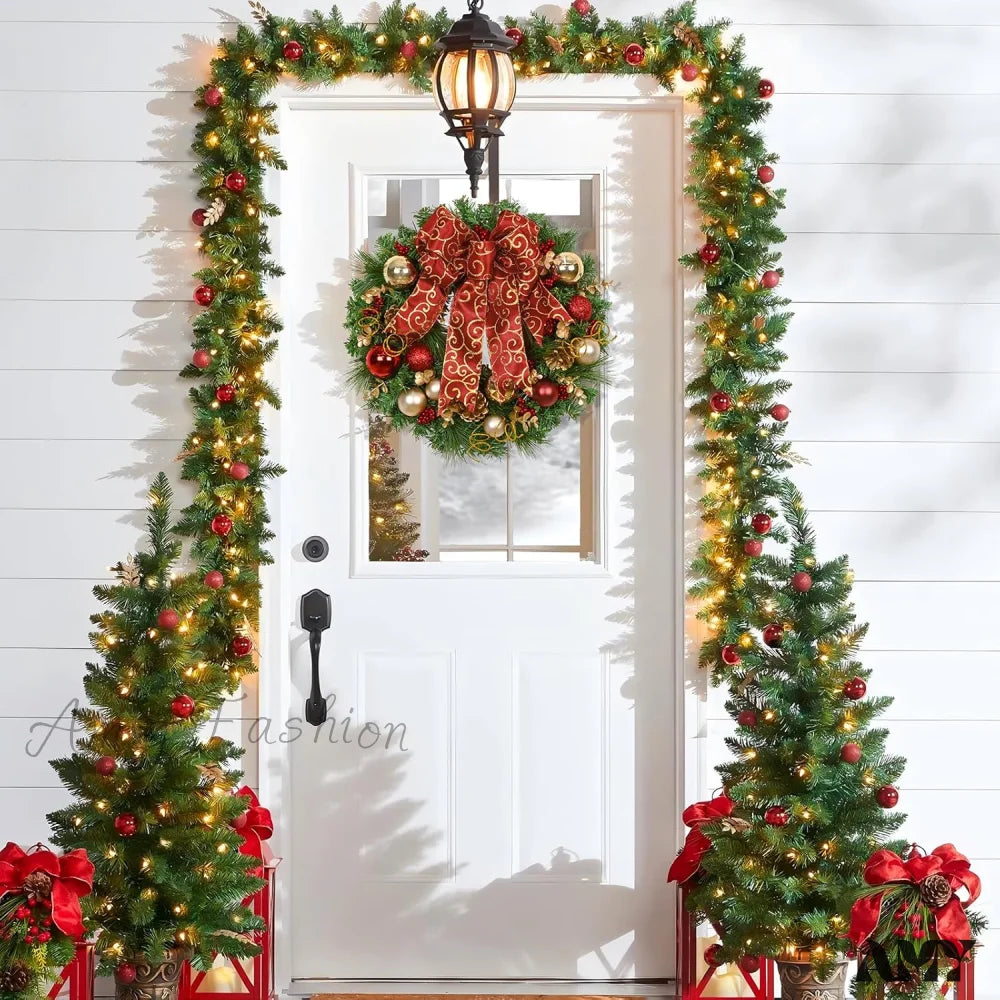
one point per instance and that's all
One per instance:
(495, 791)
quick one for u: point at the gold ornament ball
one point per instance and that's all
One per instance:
(588, 350)
(568, 268)
(399, 272)
(495, 426)
(433, 388)
(412, 402)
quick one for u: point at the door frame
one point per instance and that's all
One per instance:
(274, 694)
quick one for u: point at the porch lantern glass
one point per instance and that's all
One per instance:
(474, 85)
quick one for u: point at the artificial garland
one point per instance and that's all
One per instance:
(518, 287)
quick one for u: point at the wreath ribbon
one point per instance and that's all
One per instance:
(70, 876)
(687, 864)
(498, 298)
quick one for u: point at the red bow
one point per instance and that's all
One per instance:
(697, 844)
(72, 877)
(887, 867)
(255, 826)
(499, 297)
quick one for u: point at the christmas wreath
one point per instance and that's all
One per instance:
(429, 303)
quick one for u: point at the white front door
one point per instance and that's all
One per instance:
(495, 794)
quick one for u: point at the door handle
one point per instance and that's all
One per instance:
(315, 612)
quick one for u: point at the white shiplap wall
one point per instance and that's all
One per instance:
(888, 122)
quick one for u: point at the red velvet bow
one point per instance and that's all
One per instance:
(887, 867)
(697, 844)
(499, 296)
(72, 877)
(255, 825)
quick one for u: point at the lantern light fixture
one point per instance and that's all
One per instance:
(474, 86)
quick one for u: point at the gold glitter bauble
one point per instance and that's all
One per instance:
(568, 267)
(433, 388)
(399, 272)
(412, 402)
(495, 426)
(588, 350)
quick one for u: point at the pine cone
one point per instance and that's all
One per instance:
(38, 884)
(14, 978)
(911, 984)
(561, 357)
(935, 891)
(686, 35)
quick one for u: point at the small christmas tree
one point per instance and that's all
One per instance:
(391, 529)
(153, 801)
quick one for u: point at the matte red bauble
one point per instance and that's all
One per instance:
(182, 706)
(214, 579)
(201, 359)
(380, 363)
(204, 295)
(753, 547)
(126, 825)
(408, 50)
(776, 816)
(226, 392)
(168, 619)
(747, 718)
(198, 216)
(761, 523)
(721, 402)
(292, 50)
(582, 7)
(712, 955)
(710, 253)
(773, 635)
(749, 963)
(802, 582)
(765, 174)
(419, 358)
(222, 524)
(580, 308)
(780, 412)
(887, 796)
(633, 54)
(766, 89)
(689, 72)
(770, 279)
(855, 689)
(126, 973)
(236, 181)
(241, 645)
(212, 97)
(730, 655)
(545, 392)
(850, 753)
(239, 471)
(517, 34)
(106, 766)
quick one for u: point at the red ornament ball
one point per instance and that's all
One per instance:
(765, 174)
(204, 295)
(106, 766)
(753, 547)
(689, 72)
(292, 50)
(887, 796)
(773, 635)
(226, 392)
(201, 359)
(222, 524)
(776, 816)
(517, 34)
(241, 645)
(214, 579)
(766, 89)
(580, 308)
(239, 471)
(212, 97)
(380, 363)
(712, 955)
(198, 216)
(182, 706)
(408, 50)
(634, 54)
(236, 181)
(730, 655)
(126, 973)
(126, 825)
(761, 523)
(582, 7)
(749, 963)
(780, 412)
(802, 582)
(710, 253)
(855, 689)
(168, 619)
(545, 392)
(770, 279)
(850, 753)
(721, 402)
(419, 358)
(427, 415)
(747, 718)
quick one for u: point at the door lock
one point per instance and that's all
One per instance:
(315, 612)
